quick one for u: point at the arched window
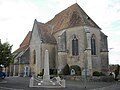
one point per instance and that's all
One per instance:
(75, 45)
(34, 57)
(93, 45)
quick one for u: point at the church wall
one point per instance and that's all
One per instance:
(67, 57)
(104, 62)
(80, 60)
(52, 54)
(25, 57)
(96, 59)
(37, 52)
(35, 45)
(104, 53)
(100, 60)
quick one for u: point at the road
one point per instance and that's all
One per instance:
(21, 83)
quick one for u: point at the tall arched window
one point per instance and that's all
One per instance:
(34, 57)
(93, 45)
(75, 46)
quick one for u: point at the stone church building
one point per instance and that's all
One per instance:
(71, 37)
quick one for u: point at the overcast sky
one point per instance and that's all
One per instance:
(17, 18)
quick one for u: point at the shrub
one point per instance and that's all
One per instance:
(54, 72)
(66, 70)
(96, 73)
(102, 74)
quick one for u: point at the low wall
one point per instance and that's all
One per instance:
(93, 78)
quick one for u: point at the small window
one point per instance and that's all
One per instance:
(74, 46)
(34, 57)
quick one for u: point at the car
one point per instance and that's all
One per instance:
(2, 75)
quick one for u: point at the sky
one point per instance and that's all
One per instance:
(17, 18)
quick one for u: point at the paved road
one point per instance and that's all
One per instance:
(21, 83)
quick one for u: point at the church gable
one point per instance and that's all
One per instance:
(35, 38)
(71, 17)
(43, 32)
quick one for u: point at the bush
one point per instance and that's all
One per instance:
(66, 70)
(53, 71)
(102, 74)
(96, 73)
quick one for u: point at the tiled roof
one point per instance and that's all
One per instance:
(71, 17)
(26, 41)
(45, 32)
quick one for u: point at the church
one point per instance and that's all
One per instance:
(72, 39)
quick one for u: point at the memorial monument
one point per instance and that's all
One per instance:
(46, 82)
(46, 75)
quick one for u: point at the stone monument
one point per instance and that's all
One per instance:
(46, 82)
(46, 75)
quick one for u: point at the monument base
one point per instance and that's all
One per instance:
(56, 82)
(46, 77)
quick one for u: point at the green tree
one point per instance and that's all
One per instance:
(5, 54)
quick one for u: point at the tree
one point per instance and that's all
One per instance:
(5, 54)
